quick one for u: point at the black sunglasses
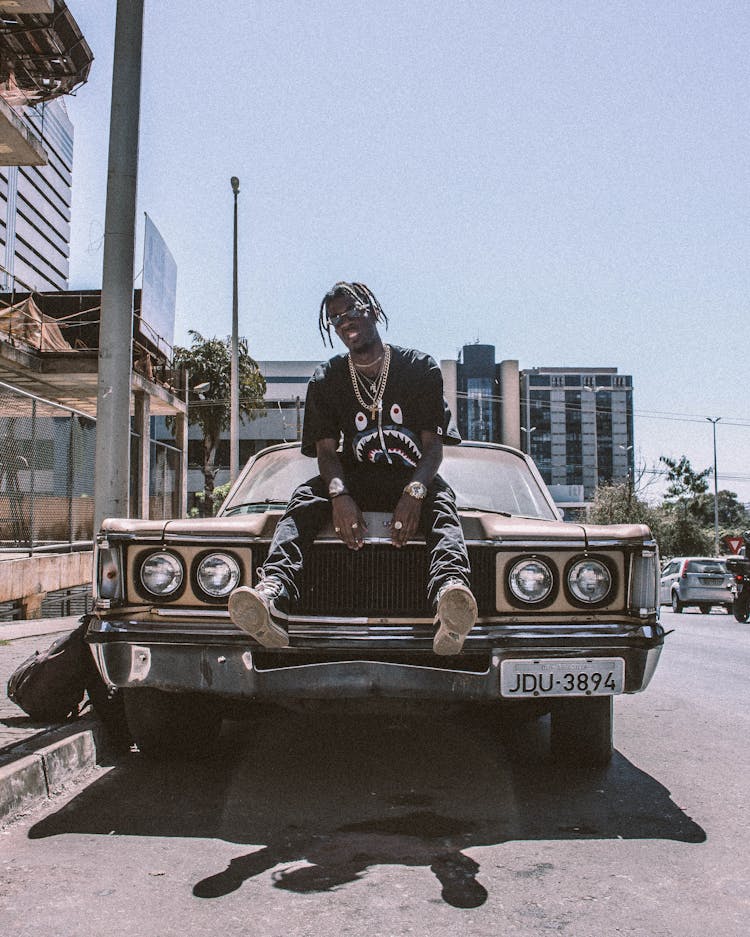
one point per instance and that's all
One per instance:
(355, 311)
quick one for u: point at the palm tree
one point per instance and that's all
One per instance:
(208, 362)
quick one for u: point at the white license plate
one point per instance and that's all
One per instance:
(562, 676)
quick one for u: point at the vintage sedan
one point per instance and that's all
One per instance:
(568, 612)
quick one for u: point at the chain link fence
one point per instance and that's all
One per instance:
(164, 485)
(46, 473)
(47, 454)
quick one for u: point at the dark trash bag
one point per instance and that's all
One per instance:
(50, 685)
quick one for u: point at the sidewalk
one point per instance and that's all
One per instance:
(36, 759)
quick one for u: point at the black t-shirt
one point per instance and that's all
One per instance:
(412, 402)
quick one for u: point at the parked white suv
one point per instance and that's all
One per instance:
(703, 581)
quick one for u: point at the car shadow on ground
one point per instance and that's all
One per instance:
(323, 798)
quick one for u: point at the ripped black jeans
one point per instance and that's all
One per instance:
(374, 489)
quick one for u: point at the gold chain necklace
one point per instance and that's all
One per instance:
(375, 389)
(364, 367)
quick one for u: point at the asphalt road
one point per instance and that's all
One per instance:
(418, 822)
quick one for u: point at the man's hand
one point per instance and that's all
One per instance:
(405, 520)
(348, 521)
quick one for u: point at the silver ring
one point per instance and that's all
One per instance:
(355, 525)
(398, 525)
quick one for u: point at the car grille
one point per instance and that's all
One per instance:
(381, 581)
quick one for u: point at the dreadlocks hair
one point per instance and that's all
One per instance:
(355, 291)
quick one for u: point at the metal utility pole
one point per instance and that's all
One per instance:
(528, 432)
(714, 421)
(234, 376)
(112, 473)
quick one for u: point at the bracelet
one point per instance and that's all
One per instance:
(336, 487)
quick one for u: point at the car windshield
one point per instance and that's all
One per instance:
(706, 566)
(484, 479)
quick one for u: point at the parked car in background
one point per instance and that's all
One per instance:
(701, 581)
(568, 612)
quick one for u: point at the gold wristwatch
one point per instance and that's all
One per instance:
(416, 490)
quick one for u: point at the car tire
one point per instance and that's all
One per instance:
(582, 731)
(728, 609)
(705, 609)
(172, 725)
(741, 609)
(676, 604)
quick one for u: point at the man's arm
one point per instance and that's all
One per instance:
(406, 516)
(348, 521)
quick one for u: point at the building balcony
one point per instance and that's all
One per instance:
(43, 55)
(49, 346)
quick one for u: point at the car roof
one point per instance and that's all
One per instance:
(688, 558)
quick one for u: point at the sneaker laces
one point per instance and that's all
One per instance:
(269, 586)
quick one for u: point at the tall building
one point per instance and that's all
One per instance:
(478, 409)
(578, 428)
(43, 57)
(576, 423)
(35, 208)
(483, 395)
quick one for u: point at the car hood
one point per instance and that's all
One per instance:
(477, 526)
(240, 526)
(498, 527)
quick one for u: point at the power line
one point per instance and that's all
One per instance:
(573, 408)
(730, 476)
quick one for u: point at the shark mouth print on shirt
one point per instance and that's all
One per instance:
(390, 443)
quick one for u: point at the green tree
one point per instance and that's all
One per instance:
(682, 535)
(732, 513)
(208, 361)
(199, 509)
(620, 504)
(685, 484)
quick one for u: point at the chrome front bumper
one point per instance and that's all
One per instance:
(237, 668)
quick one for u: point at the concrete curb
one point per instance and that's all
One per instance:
(35, 771)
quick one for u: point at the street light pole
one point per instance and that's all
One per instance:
(234, 376)
(528, 432)
(713, 422)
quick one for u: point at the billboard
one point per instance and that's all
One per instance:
(159, 289)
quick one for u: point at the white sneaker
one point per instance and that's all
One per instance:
(456, 616)
(250, 609)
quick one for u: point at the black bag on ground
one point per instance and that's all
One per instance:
(50, 685)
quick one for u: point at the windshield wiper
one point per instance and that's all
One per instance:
(469, 507)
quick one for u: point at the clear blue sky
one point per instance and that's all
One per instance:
(566, 181)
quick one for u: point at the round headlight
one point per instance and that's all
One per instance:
(589, 581)
(531, 580)
(218, 574)
(162, 574)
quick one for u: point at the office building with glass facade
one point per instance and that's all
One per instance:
(576, 423)
(35, 207)
(579, 428)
